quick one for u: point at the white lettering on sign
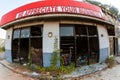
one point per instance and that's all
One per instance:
(59, 9)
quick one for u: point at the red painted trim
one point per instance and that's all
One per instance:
(52, 6)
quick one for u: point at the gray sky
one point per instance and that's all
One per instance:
(115, 3)
(8, 5)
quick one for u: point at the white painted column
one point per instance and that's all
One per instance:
(103, 43)
(119, 46)
(48, 42)
(8, 44)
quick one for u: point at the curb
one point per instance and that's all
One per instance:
(38, 76)
(18, 72)
(32, 75)
(87, 74)
(10, 68)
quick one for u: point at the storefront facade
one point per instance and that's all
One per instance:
(81, 30)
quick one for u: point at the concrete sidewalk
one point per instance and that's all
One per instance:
(13, 67)
(7, 74)
(64, 77)
(78, 72)
(2, 55)
(22, 71)
(107, 74)
(26, 72)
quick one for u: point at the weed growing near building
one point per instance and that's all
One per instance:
(2, 49)
(110, 61)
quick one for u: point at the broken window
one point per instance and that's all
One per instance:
(25, 32)
(81, 41)
(25, 39)
(66, 31)
(36, 31)
(16, 33)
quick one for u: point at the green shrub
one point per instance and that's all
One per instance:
(40, 69)
(2, 49)
(54, 68)
(110, 61)
(67, 69)
(55, 56)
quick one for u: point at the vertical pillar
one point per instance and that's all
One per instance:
(118, 46)
(103, 43)
(8, 44)
(48, 42)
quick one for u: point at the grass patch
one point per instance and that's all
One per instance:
(2, 49)
(110, 61)
(53, 70)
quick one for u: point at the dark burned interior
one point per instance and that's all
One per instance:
(27, 41)
(79, 44)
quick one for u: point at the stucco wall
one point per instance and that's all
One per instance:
(8, 43)
(103, 43)
(48, 43)
(119, 46)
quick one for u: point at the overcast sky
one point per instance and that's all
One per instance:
(115, 3)
(8, 5)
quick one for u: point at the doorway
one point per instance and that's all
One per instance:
(15, 50)
(67, 44)
(24, 50)
(36, 50)
(87, 44)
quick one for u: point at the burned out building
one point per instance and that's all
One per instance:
(83, 31)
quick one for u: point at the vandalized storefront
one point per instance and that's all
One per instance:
(84, 36)
(25, 41)
(81, 42)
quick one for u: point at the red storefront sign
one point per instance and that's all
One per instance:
(58, 9)
(53, 7)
